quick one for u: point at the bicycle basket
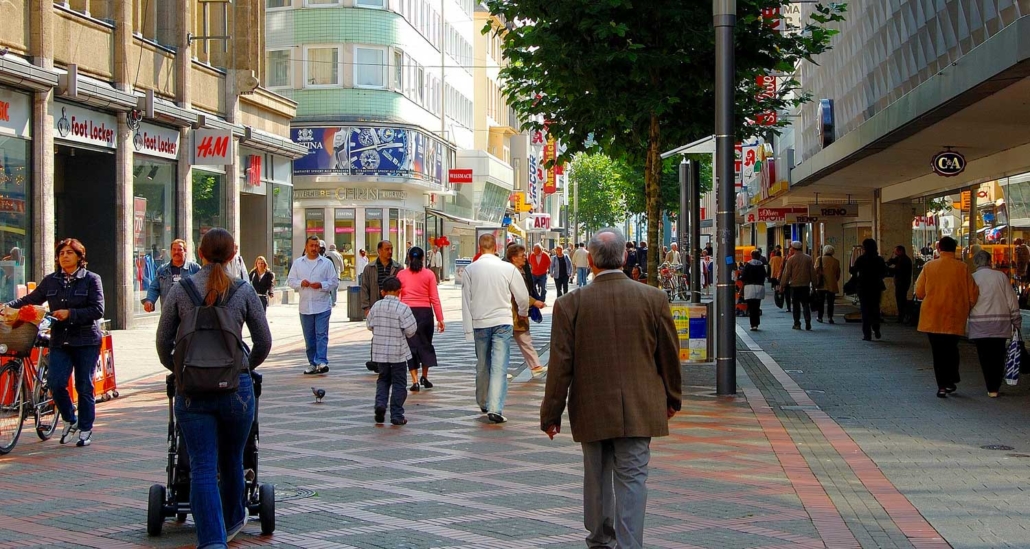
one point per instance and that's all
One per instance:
(18, 330)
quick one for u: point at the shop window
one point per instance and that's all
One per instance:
(208, 205)
(369, 67)
(156, 20)
(15, 215)
(373, 231)
(279, 69)
(282, 231)
(395, 234)
(343, 237)
(314, 223)
(321, 66)
(275, 4)
(153, 205)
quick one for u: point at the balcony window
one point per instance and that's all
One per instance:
(369, 67)
(322, 66)
(321, 3)
(279, 68)
(380, 4)
(276, 4)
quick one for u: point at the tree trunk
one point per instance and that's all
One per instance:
(652, 194)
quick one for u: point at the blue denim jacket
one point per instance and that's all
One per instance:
(163, 281)
(84, 299)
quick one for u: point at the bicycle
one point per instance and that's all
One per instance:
(24, 390)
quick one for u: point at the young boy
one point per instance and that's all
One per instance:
(391, 323)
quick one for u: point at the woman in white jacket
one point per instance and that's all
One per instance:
(992, 320)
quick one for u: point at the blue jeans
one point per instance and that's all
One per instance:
(393, 376)
(493, 347)
(541, 285)
(316, 336)
(581, 276)
(83, 360)
(215, 430)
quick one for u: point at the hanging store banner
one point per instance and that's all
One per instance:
(372, 151)
(78, 125)
(767, 91)
(156, 141)
(212, 147)
(833, 210)
(550, 179)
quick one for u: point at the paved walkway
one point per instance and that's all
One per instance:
(763, 469)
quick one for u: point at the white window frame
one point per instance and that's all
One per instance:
(385, 67)
(288, 5)
(332, 4)
(398, 70)
(289, 68)
(339, 63)
(383, 4)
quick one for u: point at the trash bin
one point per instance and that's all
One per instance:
(354, 312)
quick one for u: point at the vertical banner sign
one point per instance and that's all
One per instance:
(536, 169)
(738, 165)
(139, 220)
(767, 90)
(254, 170)
(550, 153)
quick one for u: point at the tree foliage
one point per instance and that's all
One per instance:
(632, 181)
(640, 74)
(601, 200)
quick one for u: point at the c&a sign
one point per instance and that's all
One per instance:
(949, 163)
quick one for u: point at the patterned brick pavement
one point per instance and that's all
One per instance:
(731, 475)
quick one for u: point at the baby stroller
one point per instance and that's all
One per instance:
(173, 500)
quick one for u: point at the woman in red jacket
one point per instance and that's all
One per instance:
(418, 291)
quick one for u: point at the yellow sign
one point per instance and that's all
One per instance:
(520, 203)
(692, 329)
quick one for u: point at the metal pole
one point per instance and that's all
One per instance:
(694, 196)
(575, 209)
(724, 18)
(683, 221)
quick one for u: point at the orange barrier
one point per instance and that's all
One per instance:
(105, 386)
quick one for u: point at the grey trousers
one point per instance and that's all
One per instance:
(615, 491)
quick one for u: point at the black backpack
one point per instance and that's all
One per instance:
(209, 351)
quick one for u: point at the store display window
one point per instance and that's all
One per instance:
(15, 215)
(373, 231)
(208, 205)
(344, 227)
(154, 228)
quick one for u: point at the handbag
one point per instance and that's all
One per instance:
(778, 298)
(851, 286)
(1024, 358)
(817, 282)
(1014, 358)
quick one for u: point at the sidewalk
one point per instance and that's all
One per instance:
(748, 471)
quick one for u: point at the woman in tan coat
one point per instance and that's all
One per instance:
(948, 293)
(827, 271)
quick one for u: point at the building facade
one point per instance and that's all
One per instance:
(101, 106)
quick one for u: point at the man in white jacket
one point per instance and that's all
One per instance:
(314, 278)
(487, 289)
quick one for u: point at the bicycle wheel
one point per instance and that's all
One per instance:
(43, 401)
(12, 409)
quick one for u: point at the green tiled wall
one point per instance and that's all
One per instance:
(334, 25)
(369, 103)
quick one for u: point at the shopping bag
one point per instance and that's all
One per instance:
(778, 298)
(1014, 358)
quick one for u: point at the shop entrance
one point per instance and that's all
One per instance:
(84, 207)
(254, 234)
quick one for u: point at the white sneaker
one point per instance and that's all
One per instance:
(84, 438)
(510, 376)
(322, 369)
(538, 372)
(311, 369)
(69, 430)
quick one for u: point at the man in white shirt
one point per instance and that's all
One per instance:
(337, 260)
(581, 262)
(487, 289)
(436, 263)
(314, 278)
(673, 257)
(238, 267)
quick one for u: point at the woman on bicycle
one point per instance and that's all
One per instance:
(216, 427)
(76, 300)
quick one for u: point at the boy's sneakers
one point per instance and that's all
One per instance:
(84, 438)
(380, 414)
(538, 372)
(401, 421)
(496, 418)
(69, 430)
(316, 369)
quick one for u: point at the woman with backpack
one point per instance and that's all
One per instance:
(215, 425)
(76, 300)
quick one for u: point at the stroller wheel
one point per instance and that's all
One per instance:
(180, 517)
(266, 510)
(155, 510)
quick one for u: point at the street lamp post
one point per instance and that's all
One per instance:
(725, 17)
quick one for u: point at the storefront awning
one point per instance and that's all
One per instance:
(272, 143)
(516, 230)
(452, 217)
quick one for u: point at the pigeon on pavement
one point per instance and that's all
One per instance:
(319, 394)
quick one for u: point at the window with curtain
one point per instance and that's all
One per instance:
(272, 4)
(278, 68)
(371, 3)
(369, 67)
(323, 66)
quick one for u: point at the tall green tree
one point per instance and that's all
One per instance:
(640, 74)
(601, 197)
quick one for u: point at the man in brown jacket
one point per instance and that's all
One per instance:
(798, 274)
(614, 344)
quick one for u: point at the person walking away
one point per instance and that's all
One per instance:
(827, 272)
(870, 270)
(613, 421)
(540, 263)
(361, 263)
(516, 255)
(337, 260)
(642, 258)
(392, 325)
(487, 289)
(900, 267)
(419, 292)
(168, 274)
(754, 288)
(581, 264)
(436, 263)
(561, 270)
(314, 277)
(375, 273)
(631, 258)
(993, 320)
(798, 274)
(263, 281)
(215, 426)
(775, 268)
(238, 267)
(75, 297)
(948, 293)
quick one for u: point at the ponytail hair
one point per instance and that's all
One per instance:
(416, 258)
(217, 247)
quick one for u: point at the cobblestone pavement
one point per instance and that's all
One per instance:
(736, 472)
(879, 398)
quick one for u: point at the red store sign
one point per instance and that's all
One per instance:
(460, 176)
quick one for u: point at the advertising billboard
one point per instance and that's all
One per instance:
(370, 151)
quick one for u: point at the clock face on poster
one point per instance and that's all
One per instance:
(378, 151)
